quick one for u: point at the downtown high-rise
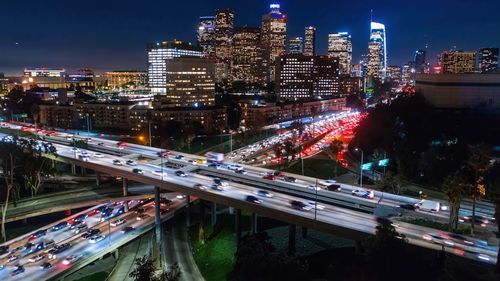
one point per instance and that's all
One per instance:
(296, 45)
(247, 63)
(377, 52)
(458, 62)
(310, 41)
(206, 35)
(340, 46)
(224, 30)
(487, 60)
(273, 37)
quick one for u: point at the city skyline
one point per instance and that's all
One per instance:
(121, 43)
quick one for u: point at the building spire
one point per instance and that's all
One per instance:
(371, 15)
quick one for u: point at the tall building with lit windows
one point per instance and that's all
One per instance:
(246, 60)
(340, 46)
(296, 45)
(310, 41)
(273, 37)
(206, 35)
(224, 30)
(300, 77)
(190, 82)
(394, 74)
(458, 62)
(377, 51)
(159, 53)
(487, 60)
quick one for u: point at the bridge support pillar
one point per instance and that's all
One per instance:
(188, 211)
(73, 169)
(254, 223)
(237, 224)
(291, 238)
(97, 179)
(116, 254)
(304, 232)
(213, 213)
(125, 192)
(82, 171)
(157, 216)
(231, 210)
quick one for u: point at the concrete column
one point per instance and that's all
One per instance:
(73, 169)
(213, 213)
(188, 211)
(116, 254)
(157, 215)
(304, 232)
(82, 171)
(254, 223)
(125, 192)
(97, 179)
(231, 210)
(291, 238)
(237, 224)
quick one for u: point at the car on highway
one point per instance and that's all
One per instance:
(100, 144)
(299, 205)
(117, 162)
(38, 234)
(59, 226)
(179, 157)
(142, 217)
(217, 187)
(315, 204)
(438, 239)
(269, 177)
(118, 222)
(411, 207)
(76, 150)
(180, 174)
(264, 193)
(234, 167)
(98, 155)
(84, 158)
(241, 172)
(141, 210)
(96, 238)
(159, 173)
(201, 161)
(20, 269)
(137, 171)
(289, 179)
(253, 199)
(219, 181)
(127, 229)
(163, 154)
(12, 258)
(200, 186)
(478, 220)
(59, 249)
(90, 233)
(327, 182)
(313, 187)
(334, 187)
(369, 194)
(36, 258)
(45, 265)
(131, 163)
(80, 228)
(70, 259)
(31, 248)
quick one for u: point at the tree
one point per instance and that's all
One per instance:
(333, 151)
(390, 183)
(35, 113)
(36, 164)
(455, 188)
(9, 153)
(173, 273)
(492, 181)
(479, 162)
(145, 270)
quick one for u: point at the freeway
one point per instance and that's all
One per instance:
(277, 204)
(30, 252)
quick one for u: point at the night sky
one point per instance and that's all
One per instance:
(111, 35)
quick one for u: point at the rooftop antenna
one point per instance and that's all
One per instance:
(371, 15)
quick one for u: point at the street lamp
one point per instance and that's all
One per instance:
(360, 167)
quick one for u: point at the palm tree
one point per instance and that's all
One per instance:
(333, 151)
(454, 187)
(479, 162)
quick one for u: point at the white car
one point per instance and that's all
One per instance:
(118, 222)
(36, 258)
(363, 193)
(313, 187)
(327, 182)
(158, 173)
(117, 162)
(97, 238)
(98, 155)
(71, 259)
(234, 167)
(318, 206)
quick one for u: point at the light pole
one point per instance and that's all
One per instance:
(360, 167)
(316, 199)
(149, 124)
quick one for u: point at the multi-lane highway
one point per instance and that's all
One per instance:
(63, 246)
(243, 191)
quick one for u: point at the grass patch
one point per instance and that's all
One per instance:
(16, 133)
(318, 168)
(435, 225)
(98, 276)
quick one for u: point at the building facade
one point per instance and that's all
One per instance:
(394, 74)
(224, 30)
(458, 62)
(487, 60)
(247, 62)
(116, 79)
(158, 54)
(296, 45)
(310, 41)
(190, 82)
(340, 46)
(273, 37)
(205, 35)
(377, 52)
(300, 77)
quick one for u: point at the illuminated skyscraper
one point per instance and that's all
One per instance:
(340, 46)
(224, 29)
(394, 74)
(458, 62)
(296, 45)
(310, 41)
(377, 51)
(273, 37)
(420, 64)
(206, 35)
(158, 53)
(487, 60)
(247, 64)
